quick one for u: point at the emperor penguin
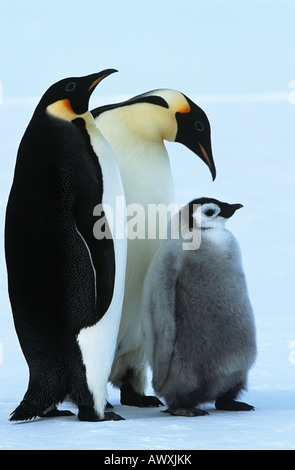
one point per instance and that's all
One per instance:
(66, 285)
(197, 317)
(136, 129)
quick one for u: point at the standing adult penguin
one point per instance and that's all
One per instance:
(66, 287)
(198, 320)
(136, 130)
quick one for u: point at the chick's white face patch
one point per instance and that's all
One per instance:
(205, 215)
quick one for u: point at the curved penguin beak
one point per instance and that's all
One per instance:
(207, 157)
(96, 78)
(88, 83)
(73, 99)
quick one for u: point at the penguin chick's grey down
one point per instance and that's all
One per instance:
(197, 318)
(66, 287)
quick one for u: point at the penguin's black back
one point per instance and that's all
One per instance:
(53, 260)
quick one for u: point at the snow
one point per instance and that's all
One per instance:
(253, 145)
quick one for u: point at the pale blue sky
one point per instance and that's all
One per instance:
(197, 46)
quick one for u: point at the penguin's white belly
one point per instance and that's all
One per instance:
(149, 186)
(139, 257)
(98, 342)
(147, 179)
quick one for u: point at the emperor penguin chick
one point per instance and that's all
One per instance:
(197, 318)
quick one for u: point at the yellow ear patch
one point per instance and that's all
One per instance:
(67, 104)
(184, 109)
(62, 109)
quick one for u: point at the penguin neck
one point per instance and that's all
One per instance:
(138, 143)
(62, 109)
(146, 121)
(218, 235)
(112, 183)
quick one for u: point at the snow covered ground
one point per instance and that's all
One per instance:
(253, 145)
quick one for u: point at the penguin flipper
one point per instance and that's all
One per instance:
(97, 339)
(158, 312)
(102, 257)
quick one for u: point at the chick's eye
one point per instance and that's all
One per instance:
(209, 212)
(199, 126)
(70, 86)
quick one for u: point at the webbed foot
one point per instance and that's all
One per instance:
(87, 413)
(55, 412)
(132, 398)
(188, 412)
(229, 404)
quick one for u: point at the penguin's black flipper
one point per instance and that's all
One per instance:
(101, 250)
(102, 258)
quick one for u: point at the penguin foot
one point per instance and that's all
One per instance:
(110, 416)
(132, 398)
(55, 412)
(229, 404)
(109, 405)
(87, 413)
(188, 412)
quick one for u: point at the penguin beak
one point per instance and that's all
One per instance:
(207, 157)
(96, 78)
(80, 101)
(228, 210)
(237, 206)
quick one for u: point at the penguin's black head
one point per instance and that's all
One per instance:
(210, 212)
(71, 95)
(194, 132)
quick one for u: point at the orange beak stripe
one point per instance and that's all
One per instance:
(96, 82)
(205, 155)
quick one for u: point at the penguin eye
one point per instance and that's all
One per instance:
(209, 212)
(199, 126)
(70, 86)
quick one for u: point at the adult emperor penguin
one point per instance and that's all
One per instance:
(197, 317)
(136, 130)
(66, 287)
